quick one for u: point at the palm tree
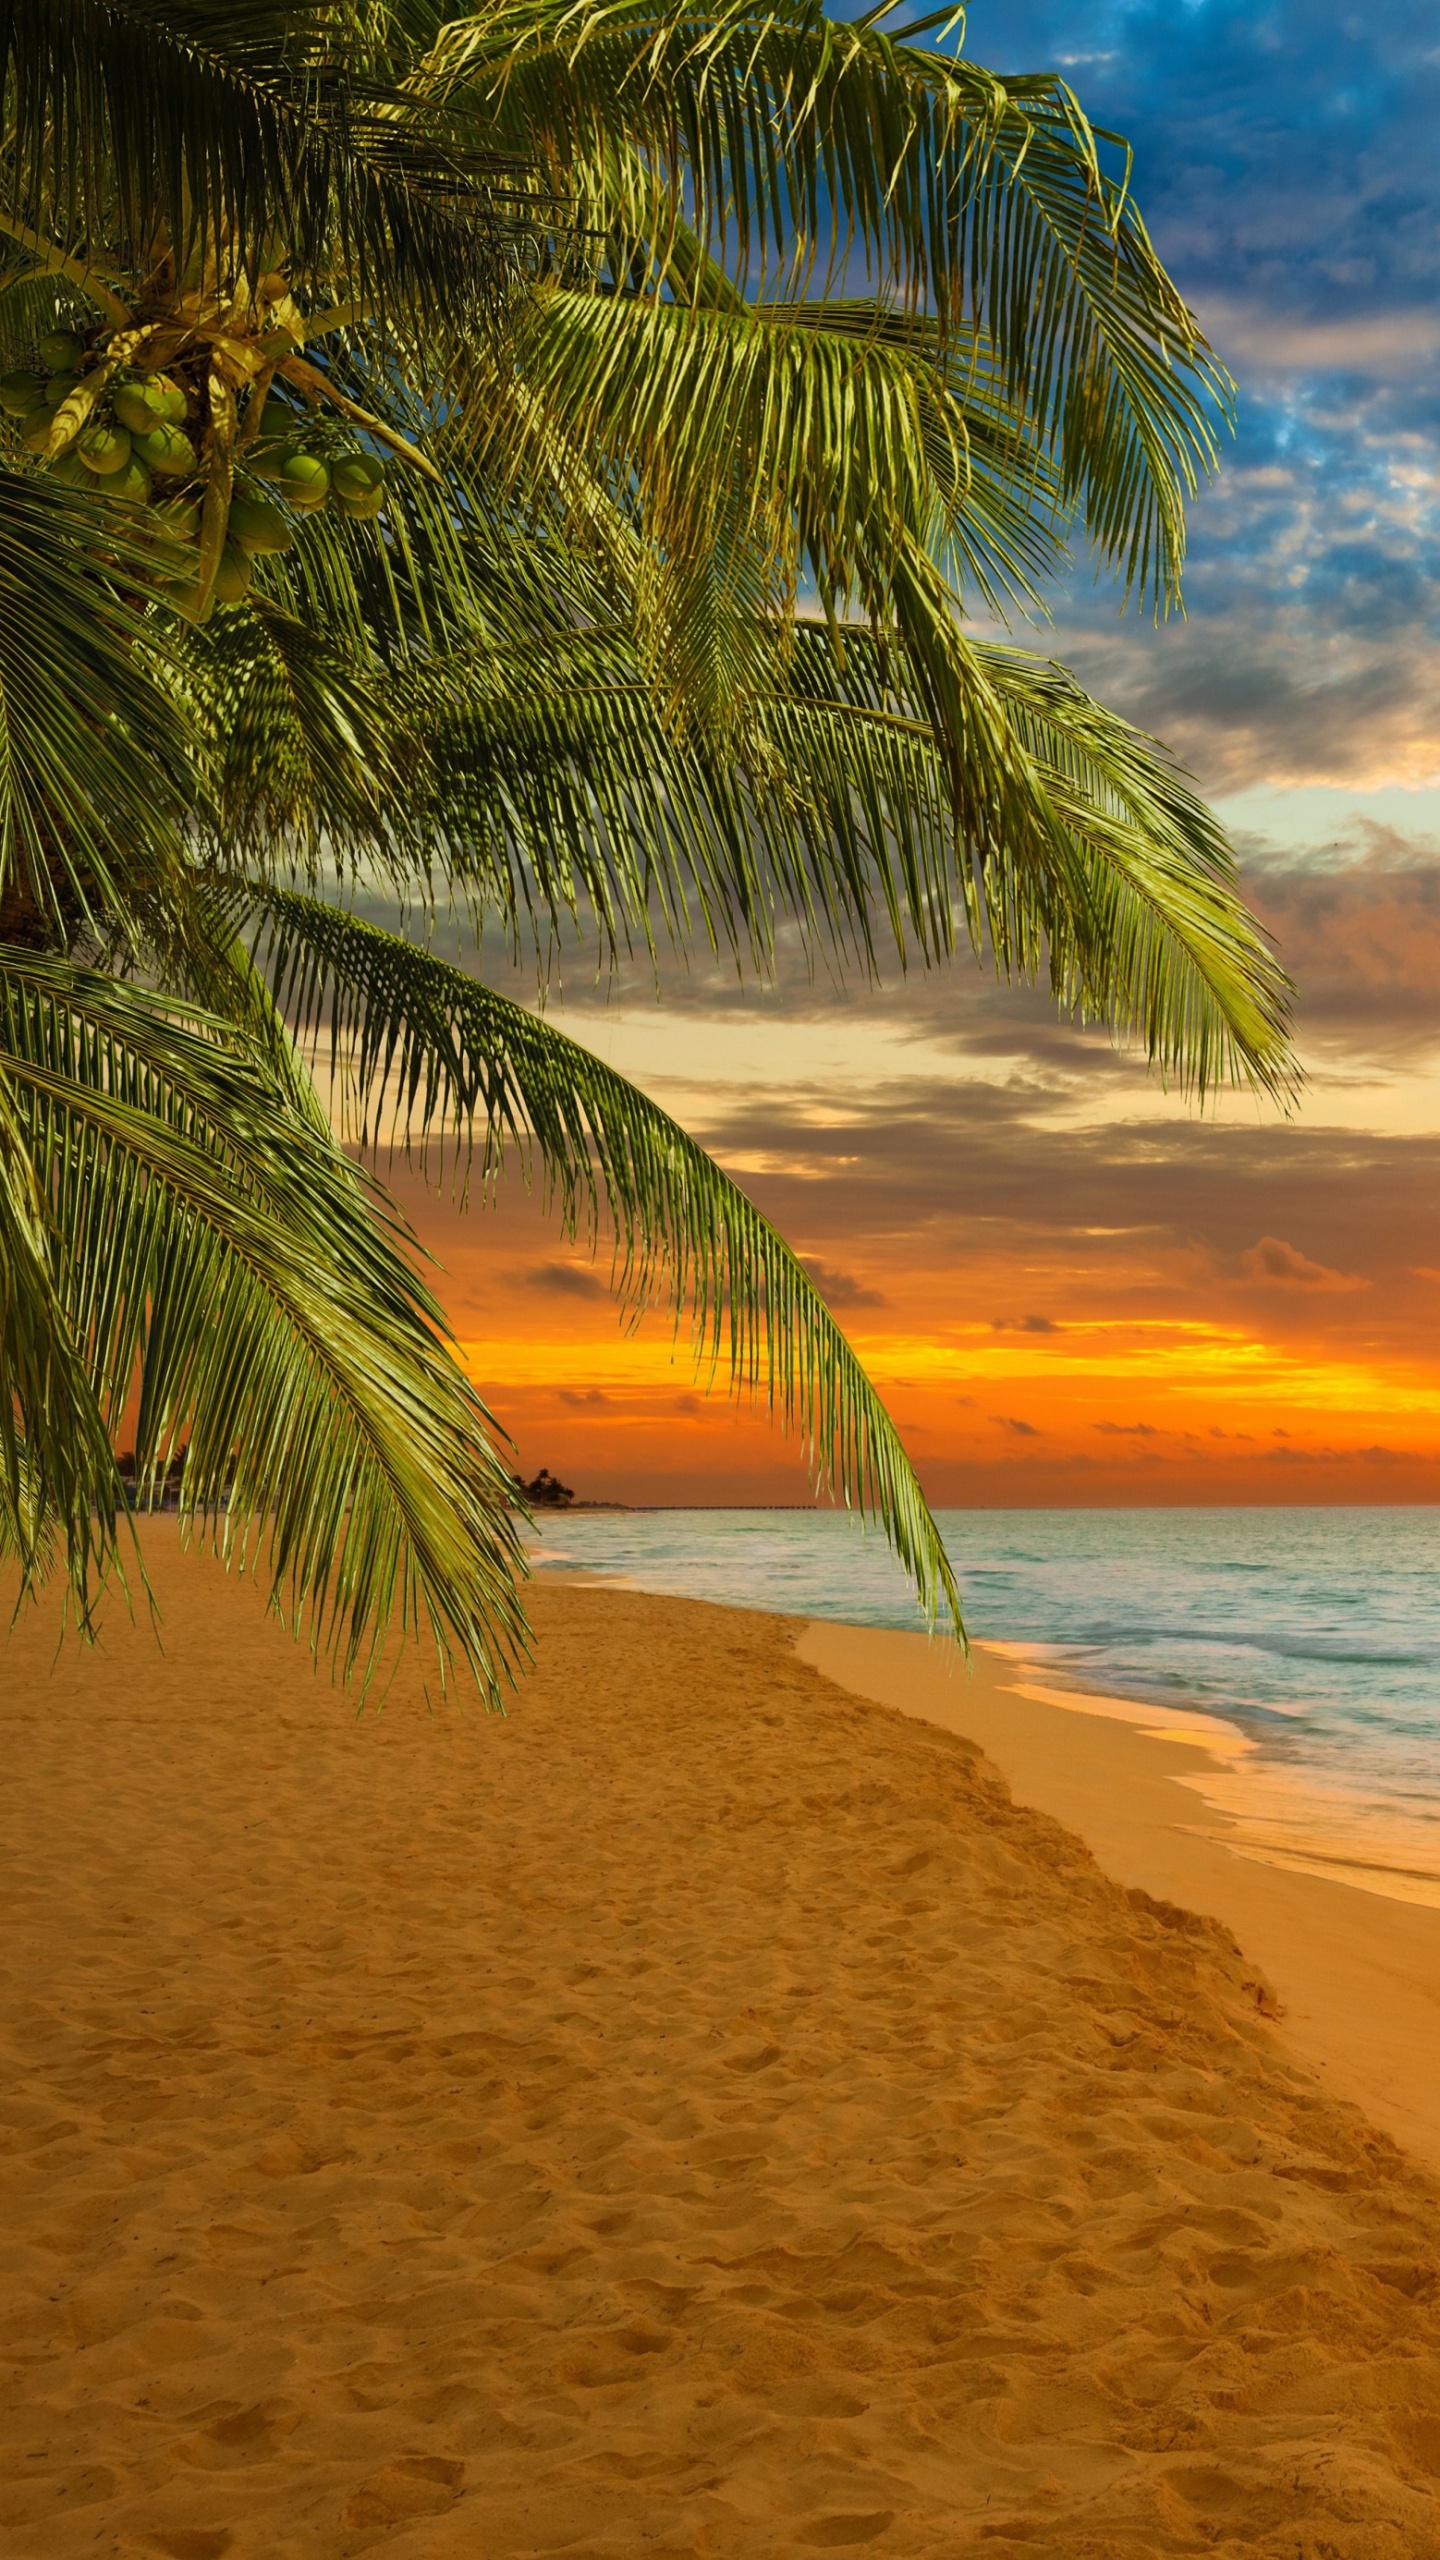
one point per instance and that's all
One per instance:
(530, 464)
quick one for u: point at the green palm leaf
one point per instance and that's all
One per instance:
(790, 140)
(252, 129)
(97, 766)
(222, 1271)
(423, 1051)
(57, 1468)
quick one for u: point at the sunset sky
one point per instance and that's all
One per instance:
(1071, 1287)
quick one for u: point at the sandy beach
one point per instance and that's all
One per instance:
(701, 2112)
(1356, 1969)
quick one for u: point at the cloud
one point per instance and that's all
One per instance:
(565, 1280)
(1272, 1264)
(840, 1288)
(1022, 1430)
(1376, 1455)
(1267, 344)
(1136, 1430)
(1267, 684)
(1285, 165)
(583, 1396)
(1024, 1324)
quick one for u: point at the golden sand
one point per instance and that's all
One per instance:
(1357, 1971)
(699, 2113)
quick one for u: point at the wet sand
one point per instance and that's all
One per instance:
(699, 2113)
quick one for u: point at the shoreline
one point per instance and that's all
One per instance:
(1356, 1969)
(700, 2110)
(1322, 1803)
(1171, 1801)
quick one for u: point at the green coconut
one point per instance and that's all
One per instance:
(174, 561)
(167, 451)
(137, 406)
(104, 449)
(357, 475)
(19, 394)
(179, 518)
(278, 421)
(258, 526)
(35, 434)
(304, 482)
(61, 350)
(141, 406)
(232, 578)
(361, 510)
(59, 388)
(130, 487)
(70, 471)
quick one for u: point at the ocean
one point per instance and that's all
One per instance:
(1312, 1636)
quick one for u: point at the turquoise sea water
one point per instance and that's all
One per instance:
(1315, 1632)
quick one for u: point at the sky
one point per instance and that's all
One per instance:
(1071, 1286)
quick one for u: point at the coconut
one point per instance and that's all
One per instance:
(70, 471)
(151, 403)
(355, 475)
(61, 350)
(35, 434)
(167, 451)
(233, 575)
(130, 487)
(19, 394)
(362, 510)
(179, 519)
(277, 418)
(58, 389)
(104, 449)
(258, 526)
(304, 482)
(173, 547)
(137, 407)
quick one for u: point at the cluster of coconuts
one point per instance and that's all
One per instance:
(135, 448)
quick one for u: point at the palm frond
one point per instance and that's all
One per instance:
(223, 1272)
(794, 143)
(754, 451)
(98, 767)
(58, 1479)
(306, 748)
(1071, 848)
(249, 131)
(425, 1052)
